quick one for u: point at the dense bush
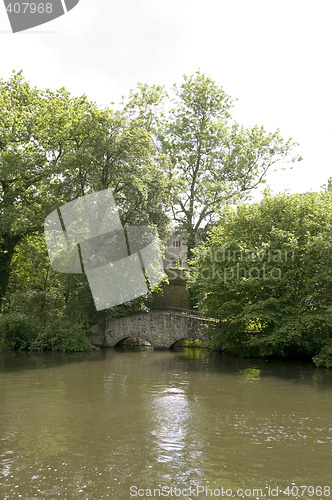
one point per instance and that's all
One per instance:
(18, 331)
(266, 271)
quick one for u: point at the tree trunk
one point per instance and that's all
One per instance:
(7, 248)
(191, 242)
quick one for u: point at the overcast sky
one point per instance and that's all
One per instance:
(273, 56)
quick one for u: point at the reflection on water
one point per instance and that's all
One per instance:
(94, 425)
(171, 412)
(174, 445)
(250, 374)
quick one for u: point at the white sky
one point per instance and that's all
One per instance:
(274, 56)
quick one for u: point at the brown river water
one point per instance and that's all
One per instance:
(187, 423)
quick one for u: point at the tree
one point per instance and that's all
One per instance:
(24, 168)
(54, 148)
(211, 160)
(118, 153)
(265, 271)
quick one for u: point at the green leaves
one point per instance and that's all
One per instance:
(55, 147)
(266, 270)
(209, 158)
(212, 159)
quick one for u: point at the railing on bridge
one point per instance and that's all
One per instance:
(191, 312)
(103, 317)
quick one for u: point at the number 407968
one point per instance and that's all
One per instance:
(29, 8)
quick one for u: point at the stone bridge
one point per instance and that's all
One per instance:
(160, 329)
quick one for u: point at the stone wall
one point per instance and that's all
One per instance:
(159, 329)
(174, 294)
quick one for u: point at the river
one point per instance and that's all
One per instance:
(188, 423)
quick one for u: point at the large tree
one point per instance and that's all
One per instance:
(211, 159)
(55, 147)
(24, 168)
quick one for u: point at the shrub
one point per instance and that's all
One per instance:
(324, 357)
(62, 335)
(18, 331)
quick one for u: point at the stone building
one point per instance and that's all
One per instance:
(176, 251)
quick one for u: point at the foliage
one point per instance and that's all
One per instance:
(181, 154)
(19, 331)
(210, 158)
(266, 271)
(54, 148)
(324, 357)
(62, 335)
(191, 343)
(36, 290)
